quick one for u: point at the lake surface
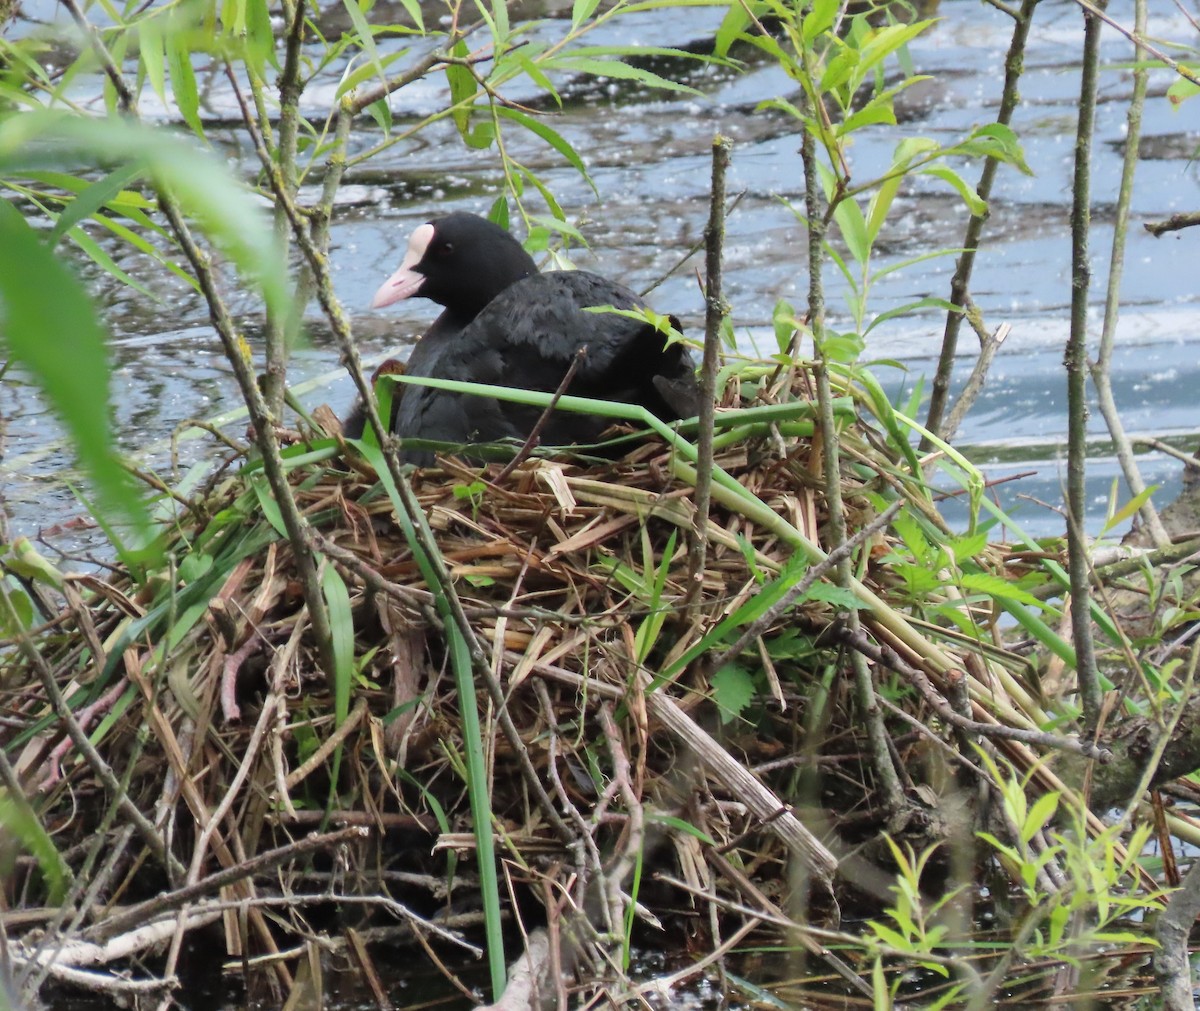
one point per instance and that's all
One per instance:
(648, 154)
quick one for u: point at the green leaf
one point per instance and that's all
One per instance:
(881, 203)
(341, 626)
(733, 690)
(853, 227)
(551, 137)
(99, 256)
(463, 89)
(842, 347)
(908, 308)
(975, 204)
(365, 36)
(18, 819)
(355, 76)
(1040, 813)
(90, 200)
(782, 105)
(994, 586)
(686, 827)
(964, 548)
(414, 11)
(1180, 91)
(183, 80)
(150, 52)
(23, 559)
(537, 76)
(581, 10)
(882, 43)
(783, 319)
(996, 141)
(819, 19)
(50, 327)
(1130, 507)
(733, 26)
(381, 112)
(918, 580)
(499, 19)
(259, 48)
(620, 71)
(267, 505)
(20, 615)
(838, 71)
(878, 110)
(838, 596)
(892, 939)
(199, 181)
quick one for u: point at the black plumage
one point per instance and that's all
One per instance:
(507, 325)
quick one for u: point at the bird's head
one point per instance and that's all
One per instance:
(461, 261)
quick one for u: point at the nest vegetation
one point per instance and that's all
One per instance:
(666, 709)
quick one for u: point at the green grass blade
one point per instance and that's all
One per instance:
(464, 679)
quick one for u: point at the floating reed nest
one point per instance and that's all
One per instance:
(645, 729)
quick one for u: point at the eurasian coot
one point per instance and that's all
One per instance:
(507, 325)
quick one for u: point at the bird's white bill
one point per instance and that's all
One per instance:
(407, 281)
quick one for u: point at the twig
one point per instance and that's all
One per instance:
(635, 827)
(777, 610)
(584, 836)
(1097, 11)
(975, 381)
(692, 251)
(536, 433)
(1101, 368)
(1187, 459)
(1165, 733)
(340, 556)
(98, 765)
(715, 311)
(889, 658)
(1175, 223)
(125, 97)
(665, 985)
(259, 414)
(775, 816)
(317, 758)
(132, 916)
(290, 87)
(740, 880)
(1172, 966)
(1075, 361)
(1014, 64)
(430, 61)
(889, 782)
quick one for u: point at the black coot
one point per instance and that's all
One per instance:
(507, 325)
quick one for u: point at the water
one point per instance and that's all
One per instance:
(647, 154)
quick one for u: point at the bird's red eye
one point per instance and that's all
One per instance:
(445, 249)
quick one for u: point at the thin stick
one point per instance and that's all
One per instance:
(1014, 64)
(536, 434)
(132, 916)
(815, 572)
(1101, 368)
(1075, 360)
(889, 781)
(715, 311)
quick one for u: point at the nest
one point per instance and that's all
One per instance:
(637, 713)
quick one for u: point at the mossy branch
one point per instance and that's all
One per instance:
(1075, 360)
